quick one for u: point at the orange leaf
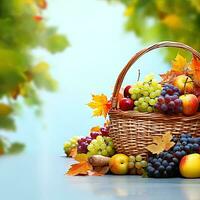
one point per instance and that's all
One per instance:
(81, 157)
(179, 64)
(161, 143)
(95, 129)
(73, 153)
(81, 168)
(100, 105)
(195, 66)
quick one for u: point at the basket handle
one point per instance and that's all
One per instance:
(122, 75)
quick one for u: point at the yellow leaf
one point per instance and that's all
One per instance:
(179, 64)
(81, 157)
(100, 105)
(5, 109)
(161, 143)
(81, 168)
(157, 139)
(167, 137)
(155, 149)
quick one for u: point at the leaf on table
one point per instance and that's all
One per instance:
(81, 168)
(100, 105)
(73, 153)
(179, 64)
(195, 66)
(95, 129)
(81, 157)
(161, 143)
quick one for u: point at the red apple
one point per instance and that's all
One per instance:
(126, 91)
(182, 85)
(190, 104)
(199, 102)
(126, 104)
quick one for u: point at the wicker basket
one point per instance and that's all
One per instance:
(132, 131)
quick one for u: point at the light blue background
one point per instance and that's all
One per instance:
(99, 49)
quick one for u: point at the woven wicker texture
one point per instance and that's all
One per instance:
(132, 131)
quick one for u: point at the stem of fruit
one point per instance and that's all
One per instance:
(138, 78)
(186, 81)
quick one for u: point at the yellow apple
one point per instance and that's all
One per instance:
(190, 166)
(182, 85)
(119, 164)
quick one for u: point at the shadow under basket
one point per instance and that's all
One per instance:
(132, 131)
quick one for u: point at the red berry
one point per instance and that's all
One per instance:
(104, 131)
(94, 134)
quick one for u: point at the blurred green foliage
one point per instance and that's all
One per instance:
(23, 29)
(158, 20)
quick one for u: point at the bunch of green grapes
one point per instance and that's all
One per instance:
(145, 94)
(69, 145)
(101, 146)
(137, 165)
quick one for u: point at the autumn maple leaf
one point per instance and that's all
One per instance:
(80, 168)
(161, 143)
(100, 105)
(195, 66)
(179, 64)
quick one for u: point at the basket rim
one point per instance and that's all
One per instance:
(152, 116)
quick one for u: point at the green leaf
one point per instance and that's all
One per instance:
(16, 148)
(42, 77)
(5, 109)
(56, 43)
(7, 123)
(2, 146)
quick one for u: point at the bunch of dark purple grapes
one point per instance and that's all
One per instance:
(169, 102)
(185, 145)
(166, 164)
(85, 141)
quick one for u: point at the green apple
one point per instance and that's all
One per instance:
(190, 166)
(119, 164)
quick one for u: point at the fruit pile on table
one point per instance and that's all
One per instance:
(178, 93)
